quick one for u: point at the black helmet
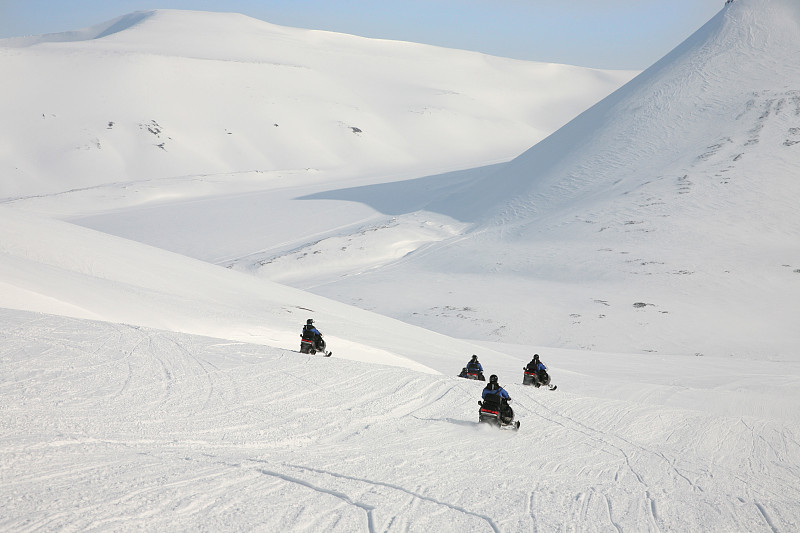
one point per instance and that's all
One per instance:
(536, 357)
(474, 357)
(493, 378)
(310, 321)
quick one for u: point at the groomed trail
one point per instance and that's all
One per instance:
(115, 427)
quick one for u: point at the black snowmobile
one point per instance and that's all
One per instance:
(312, 345)
(470, 374)
(496, 412)
(542, 379)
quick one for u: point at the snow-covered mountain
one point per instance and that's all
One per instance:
(174, 93)
(662, 219)
(222, 79)
(184, 189)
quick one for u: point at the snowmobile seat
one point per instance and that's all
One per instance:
(492, 402)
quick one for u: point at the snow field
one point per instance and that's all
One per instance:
(112, 426)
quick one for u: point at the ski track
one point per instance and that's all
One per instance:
(757, 479)
(380, 484)
(115, 427)
(368, 510)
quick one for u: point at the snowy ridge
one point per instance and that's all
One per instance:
(166, 93)
(48, 264)
(95, 32)
(711, 88)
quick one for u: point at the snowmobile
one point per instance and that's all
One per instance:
(537, 380)
(489, 413)
(476, 375)
(310, 346)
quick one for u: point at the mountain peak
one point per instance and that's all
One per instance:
(97, 31)
(680, 187)
(120, 24)
(711, 89)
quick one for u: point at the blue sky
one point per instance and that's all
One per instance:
(625, 34)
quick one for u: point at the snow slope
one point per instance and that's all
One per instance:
(118, 427)
(73, 271)
(662, 219)
(165, 93)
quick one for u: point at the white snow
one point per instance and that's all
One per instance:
(182, 190)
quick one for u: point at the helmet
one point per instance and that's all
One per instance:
(493, 378)
(474, 357)
(309, 321)
(536, 357)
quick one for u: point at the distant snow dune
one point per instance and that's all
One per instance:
(166, 93)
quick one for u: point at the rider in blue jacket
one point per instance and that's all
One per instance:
(474, 365)
(494, 388)
(311, 333)
(536, 366)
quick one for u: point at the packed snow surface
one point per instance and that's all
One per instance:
(118, 427)
(197, 185)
